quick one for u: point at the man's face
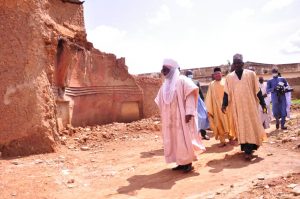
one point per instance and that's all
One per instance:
(275, 73)
(189, 74)
(238, 64)
(217, 75)
(165, 70)
(261, 80)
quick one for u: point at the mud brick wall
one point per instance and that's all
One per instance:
(52, 76)
(98, 86)
(27, 124)
(150, 87)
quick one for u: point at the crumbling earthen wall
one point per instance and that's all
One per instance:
(66, 14)
(92, 87)
(52, 76)
(27, 107)
(97, 85)
(295, 84)
(150, 87)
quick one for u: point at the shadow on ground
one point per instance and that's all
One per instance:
(164, 179)
(215, 148)
(233, 161)
(150, 154)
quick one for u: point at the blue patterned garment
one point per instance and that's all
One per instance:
(203, 122)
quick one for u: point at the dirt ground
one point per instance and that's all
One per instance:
(126, 161)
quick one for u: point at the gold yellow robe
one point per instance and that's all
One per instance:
(242, 104)
(219, 122)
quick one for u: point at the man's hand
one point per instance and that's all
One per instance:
(223, 109)
(265, 95)
(188, 118)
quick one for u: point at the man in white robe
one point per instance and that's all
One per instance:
(288, 97)
(177, 101)
(265, 117)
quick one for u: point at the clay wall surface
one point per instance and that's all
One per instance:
(295, 84)
(27, 124)
(66, 14)
(150, 87)
(52, 76)
(98, 86)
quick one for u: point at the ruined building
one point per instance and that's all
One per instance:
(150, 87)
(51, 76)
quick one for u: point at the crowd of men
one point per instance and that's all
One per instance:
(236, 108)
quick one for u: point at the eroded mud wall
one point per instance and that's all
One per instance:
(150, 87)
(27, 105)
(97, 85)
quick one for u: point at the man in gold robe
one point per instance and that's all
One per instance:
(242, 96)
(219, 122)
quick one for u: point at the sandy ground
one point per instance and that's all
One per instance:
(126, 161)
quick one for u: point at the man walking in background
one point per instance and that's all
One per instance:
(203, 122)
(277, 87)
(265, 117)
(219, 122)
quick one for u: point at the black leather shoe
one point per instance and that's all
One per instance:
(179, 167)
(277, 126)
(187, 168)
(284, 128)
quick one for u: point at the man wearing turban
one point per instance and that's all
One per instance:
(177, 102)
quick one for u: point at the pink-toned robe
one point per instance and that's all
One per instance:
(180, 139)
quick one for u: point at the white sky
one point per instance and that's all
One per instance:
(196, 33)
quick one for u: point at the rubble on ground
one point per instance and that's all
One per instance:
(282, 187)
(86, 138)
(295, 107)
(290, 138)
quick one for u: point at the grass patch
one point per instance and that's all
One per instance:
(296, 101)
